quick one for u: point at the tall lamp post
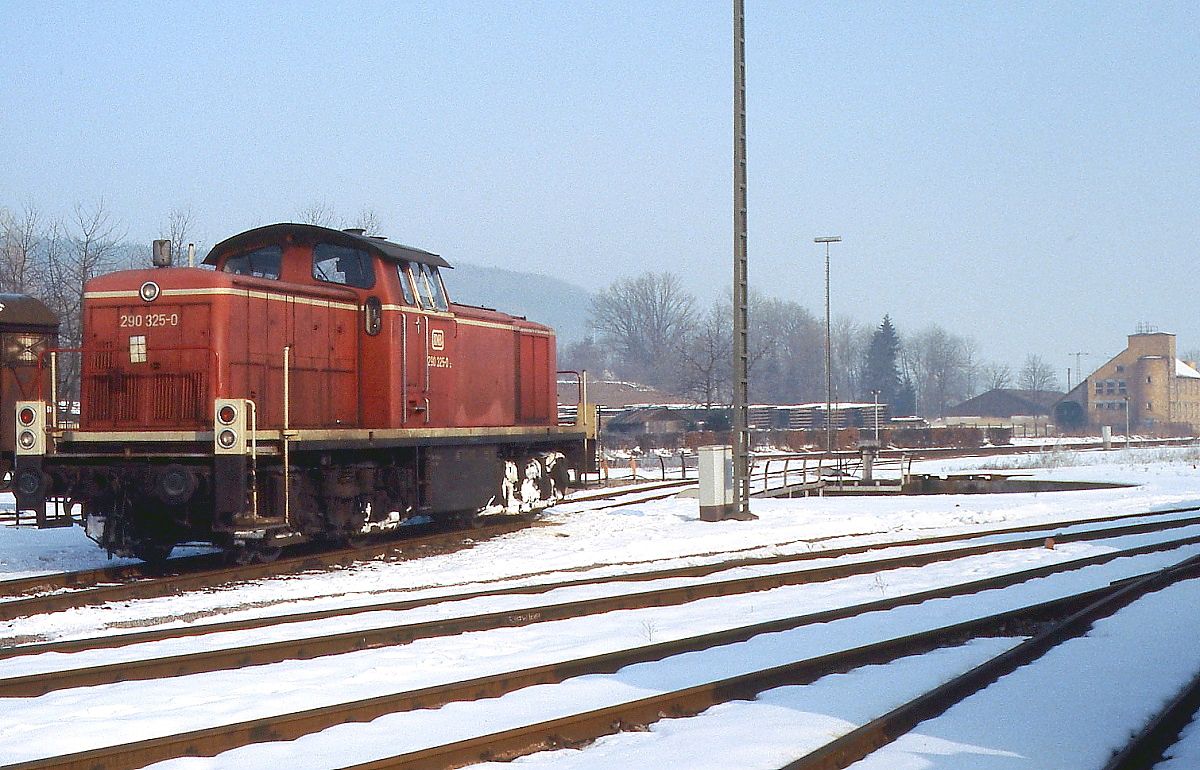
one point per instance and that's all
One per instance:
(828, 354)
(875, 393)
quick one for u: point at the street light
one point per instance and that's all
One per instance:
(828, 355)
(875, 393)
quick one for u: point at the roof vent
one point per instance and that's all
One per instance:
(354, 230)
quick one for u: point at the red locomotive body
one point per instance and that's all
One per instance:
(317, 383)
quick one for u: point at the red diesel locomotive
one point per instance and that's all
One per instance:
(317, 384)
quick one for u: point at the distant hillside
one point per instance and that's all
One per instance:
(561, 305)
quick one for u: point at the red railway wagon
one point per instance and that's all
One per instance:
(316, 383)
(27, 329)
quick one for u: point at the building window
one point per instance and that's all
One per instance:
(1120, 367)
(1147, 380)
(1149, 407)
(1121, 387)
(1099, 387)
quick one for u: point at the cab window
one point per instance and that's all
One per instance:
(344, 265)
(260, 263)
(429, 286)
(405, 283)
(430, 294)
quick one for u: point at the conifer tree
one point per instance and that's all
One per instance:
(882, 373)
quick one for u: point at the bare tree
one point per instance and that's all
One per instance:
(997, 376)
(646, 319)
(92, 250)
(849, 340)
(21, 236)
(941, 367)
(368, 221)
(1036, 374)
(787, 352)
(179, 230)
(318, 213)
(706, 373)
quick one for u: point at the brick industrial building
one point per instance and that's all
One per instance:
(1161, 392)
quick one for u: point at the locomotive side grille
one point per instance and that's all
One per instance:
(179, 398)
(166, 400)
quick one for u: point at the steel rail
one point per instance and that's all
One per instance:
(284, 727)
(89, 577)
(98, 595)
(1145, 749)
(207, 576)
(33, 685)
(121, 640)
(214, 562)
(859, 743)
(607, 493)
(141, 581)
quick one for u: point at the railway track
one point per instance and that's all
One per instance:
(865, 740)
(312, 646)
(191, 573)
(147, 581)
(289, 726)
(59, 591)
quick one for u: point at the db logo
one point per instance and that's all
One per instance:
(437, 339)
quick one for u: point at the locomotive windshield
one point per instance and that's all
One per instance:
(429, 286)
(405, 283)
(428, 282)
(344, 265)
(260, 263)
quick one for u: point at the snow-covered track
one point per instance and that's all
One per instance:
(1147, 748)
(882, 731)
(588, 725)
(159, 666)
(142, 581)
(66, 590)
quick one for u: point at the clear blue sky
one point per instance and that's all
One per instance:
(1025, 174)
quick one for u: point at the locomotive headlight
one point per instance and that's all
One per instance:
(30, 428)
(229, 425)
(227, 439)
(227, 414)
(149, 291)
(27, 440)
(27, 416)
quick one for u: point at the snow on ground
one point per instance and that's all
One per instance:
(570, 542)
(1072, 708)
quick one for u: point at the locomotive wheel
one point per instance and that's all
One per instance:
(467, 520)
(152, 553)
(246, 555)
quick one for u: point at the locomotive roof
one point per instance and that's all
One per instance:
(21, 310)
(380, 246)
